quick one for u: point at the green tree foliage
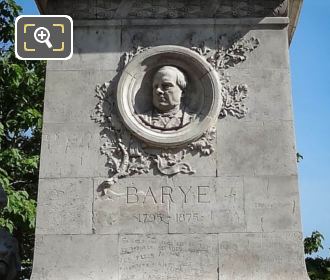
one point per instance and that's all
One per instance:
(313, 243)
(299, 157)
(21, 99)
(318, 268)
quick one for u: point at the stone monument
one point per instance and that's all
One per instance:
(168, 146)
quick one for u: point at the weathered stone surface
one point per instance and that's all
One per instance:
(261, 256)
(132, 206)
(265, 196)
(210, 205)
(71, 150)
(65, 206)
(168, 256)
(93, 49)
(73, 257)
(72, 100)
(256, 148)
(268, 98)
(146, 35)
(273, 52)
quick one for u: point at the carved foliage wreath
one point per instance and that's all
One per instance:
(127, 155)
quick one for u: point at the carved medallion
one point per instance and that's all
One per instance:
(165, 104)
(168, 96)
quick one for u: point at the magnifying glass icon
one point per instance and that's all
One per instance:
(41, 35)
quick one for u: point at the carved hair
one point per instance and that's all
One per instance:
(180, 76)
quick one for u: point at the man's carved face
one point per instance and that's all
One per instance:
(166, 91)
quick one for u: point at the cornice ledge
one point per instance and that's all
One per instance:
(294, 13)
(128, 9)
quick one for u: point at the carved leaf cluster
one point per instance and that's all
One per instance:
(230, 52)
(233, 98)
(205, 144)
(235, 54)
(226, 56)
(172, 162)
(128, 56)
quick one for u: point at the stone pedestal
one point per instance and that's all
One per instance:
(129, 190)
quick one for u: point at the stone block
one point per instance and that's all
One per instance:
(272, 52)
(70, 95)
(175, 256)
(132, 206)
(210, 205)
(180, 205)
(94, 48)
(269, 94)
(275, 256)
(71, 150)
(75, 257)
(190, 33)
(272, 204)
(65, 206)
(255, 148)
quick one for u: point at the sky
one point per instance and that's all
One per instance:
(310, 73)
(310, 70)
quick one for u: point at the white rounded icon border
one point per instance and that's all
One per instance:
(196, 67)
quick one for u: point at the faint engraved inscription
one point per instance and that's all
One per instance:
(168, 257)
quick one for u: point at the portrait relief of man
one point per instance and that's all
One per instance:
(168, 89)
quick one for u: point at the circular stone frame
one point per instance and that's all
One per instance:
(187, 60)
